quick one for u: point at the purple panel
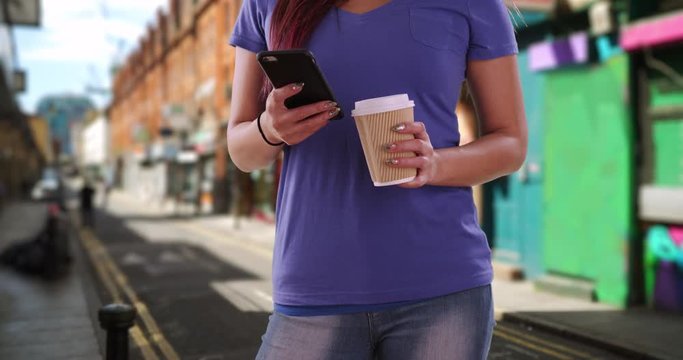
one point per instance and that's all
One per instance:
(541, 57)
(667, 293)
(563, 52)
(579, 43)
(679, 283)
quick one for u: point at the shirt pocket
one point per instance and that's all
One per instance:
(438, 28)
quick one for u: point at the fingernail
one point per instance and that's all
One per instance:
(399, 127)
(298, 86)
(334, 111)
(389, 146)
(330, 104)
(391, 161)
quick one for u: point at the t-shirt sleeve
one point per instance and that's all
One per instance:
(491, 31)
(249, 32)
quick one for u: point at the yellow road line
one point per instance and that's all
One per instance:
(225, 238)
(95, 252)
(155, 332)
(540, 341)
(101, 271)
(532, 346)
(108, 270)
(143, 344)
(142, 309)
(147, 319)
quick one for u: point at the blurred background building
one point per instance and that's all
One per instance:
(170, 109)
(21, 158)
(64, 115)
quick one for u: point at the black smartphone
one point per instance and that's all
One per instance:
(283, 67)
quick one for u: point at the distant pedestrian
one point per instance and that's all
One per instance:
(365, 272)
(87, 196)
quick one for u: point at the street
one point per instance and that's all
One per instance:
(202, 294)
(138, 201)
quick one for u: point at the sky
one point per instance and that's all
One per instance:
(76, 44)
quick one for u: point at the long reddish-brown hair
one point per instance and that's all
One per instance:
(292, 24)
(293, 21)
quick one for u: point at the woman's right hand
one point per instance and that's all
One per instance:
(293, 126)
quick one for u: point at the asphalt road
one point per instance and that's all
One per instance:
(203, 296)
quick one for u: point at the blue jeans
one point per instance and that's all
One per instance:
(456, 326)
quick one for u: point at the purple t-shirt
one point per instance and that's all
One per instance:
(339, 239)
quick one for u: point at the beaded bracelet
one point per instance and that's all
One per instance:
(258, 123)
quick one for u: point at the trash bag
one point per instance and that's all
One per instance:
(45, 255)
(27, 257)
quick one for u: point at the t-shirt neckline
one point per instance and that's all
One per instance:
(376, 10)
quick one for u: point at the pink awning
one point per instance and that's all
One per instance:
(653, 32)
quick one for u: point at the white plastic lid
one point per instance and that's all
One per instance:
(382, 104)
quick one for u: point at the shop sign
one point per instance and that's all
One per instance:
(157, 150)
(176, 116)
(203, 141)
(140, 133)
(577, 5)
(187, 157)
(602, 21)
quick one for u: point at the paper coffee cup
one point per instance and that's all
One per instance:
(374, 119)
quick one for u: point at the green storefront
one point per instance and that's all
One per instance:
(587, 195)
(567, 217)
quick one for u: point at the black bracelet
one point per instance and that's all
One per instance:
(258, 123)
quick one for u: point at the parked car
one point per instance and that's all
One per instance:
(46, 189)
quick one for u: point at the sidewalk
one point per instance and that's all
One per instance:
(41, 319)
(636, 333)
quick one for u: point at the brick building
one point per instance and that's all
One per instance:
(170, 106)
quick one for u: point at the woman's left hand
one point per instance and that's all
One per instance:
(426, 160)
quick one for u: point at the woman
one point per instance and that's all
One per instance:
(360, 272)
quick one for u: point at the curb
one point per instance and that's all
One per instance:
(575, 334)
(85, 271)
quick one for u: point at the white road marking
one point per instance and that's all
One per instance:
(133, 258)
(263, 295)
(246, 295)
(170, 257)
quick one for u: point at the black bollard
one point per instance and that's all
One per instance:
(116, 319)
